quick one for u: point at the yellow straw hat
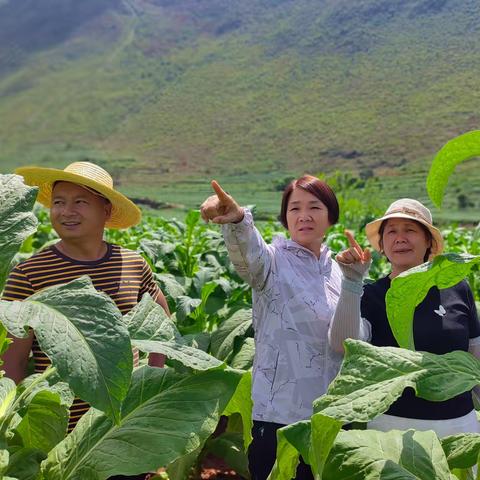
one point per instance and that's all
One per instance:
(410, 209)
(124, 212)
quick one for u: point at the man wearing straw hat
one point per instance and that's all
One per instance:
(82, 203)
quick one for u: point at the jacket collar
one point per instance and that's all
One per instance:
(280, 241)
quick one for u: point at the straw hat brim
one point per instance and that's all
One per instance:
(372, 230)
(124, 212)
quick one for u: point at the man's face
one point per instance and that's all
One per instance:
(76, 213)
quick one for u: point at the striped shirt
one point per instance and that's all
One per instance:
(122, 274)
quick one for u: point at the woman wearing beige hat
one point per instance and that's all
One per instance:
(445, 321)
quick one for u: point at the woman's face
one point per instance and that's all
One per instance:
(405, 243)
(307, 219)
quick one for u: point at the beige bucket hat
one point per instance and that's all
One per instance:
(412, 210)
(124, 212)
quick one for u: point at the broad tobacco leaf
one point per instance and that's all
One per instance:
(462, 450)
(8, 391)
(188, 356)
(323, 434)
(149, 321)
(372, 378)
(369, 455)
(292, 441)
(32, 384)
(229, 447)
(222, 342)
(17, 221)
(155, 250)
(410, 288)
(164, 417)
(313, 439)
(4, 458)
(44, 424)
(170, 286)
(82, 332)
(24, 463)
(457, 150)
(185, 306)
(243, 354)
(242, 403)
(181, 468)
(152, 331)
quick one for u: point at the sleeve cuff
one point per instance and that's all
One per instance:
(474, 342)
(352, 286)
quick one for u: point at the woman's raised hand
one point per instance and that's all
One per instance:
(354, 261)
(221, 207)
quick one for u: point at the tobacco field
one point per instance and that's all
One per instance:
(146, 418)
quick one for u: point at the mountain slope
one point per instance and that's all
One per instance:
(162, 89)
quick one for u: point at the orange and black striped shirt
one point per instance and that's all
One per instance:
(122, 274)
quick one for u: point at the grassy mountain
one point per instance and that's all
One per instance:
(176, 90)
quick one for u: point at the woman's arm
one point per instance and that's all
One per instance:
(247, 250)
(250, 255)
(347, 322)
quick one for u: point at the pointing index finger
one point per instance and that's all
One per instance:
(221, 194)
(352, 242)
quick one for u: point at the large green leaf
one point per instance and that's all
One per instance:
(8, 390)
(185, 306)
(82, 332)
(223, 338)
(243, 354)
(4, 458)
(372, 378)
(24, 463)
(155, 249)
(312, 439)
(189, 356)
(242, 403)
(4, 341)
(169, 284)
(462, 450)
(457, 150)
(373, 455)
(44, 424)
(164, 417)
(324, 430)
(17, 221)
(200, 340)
(148, 321)
(410, 288)
(292, 441)
(35, 383)
(181, 468)
(229, 447)
(152, 331)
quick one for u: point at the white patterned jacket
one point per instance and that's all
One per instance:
(294, 299)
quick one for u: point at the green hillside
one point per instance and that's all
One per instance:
(180, 91)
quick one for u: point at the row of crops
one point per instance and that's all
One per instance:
(145, 418)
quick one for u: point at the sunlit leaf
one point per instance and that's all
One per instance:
(457, 150)
(409, 289)
(372, 378)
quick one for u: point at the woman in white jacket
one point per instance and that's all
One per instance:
(296, 285)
